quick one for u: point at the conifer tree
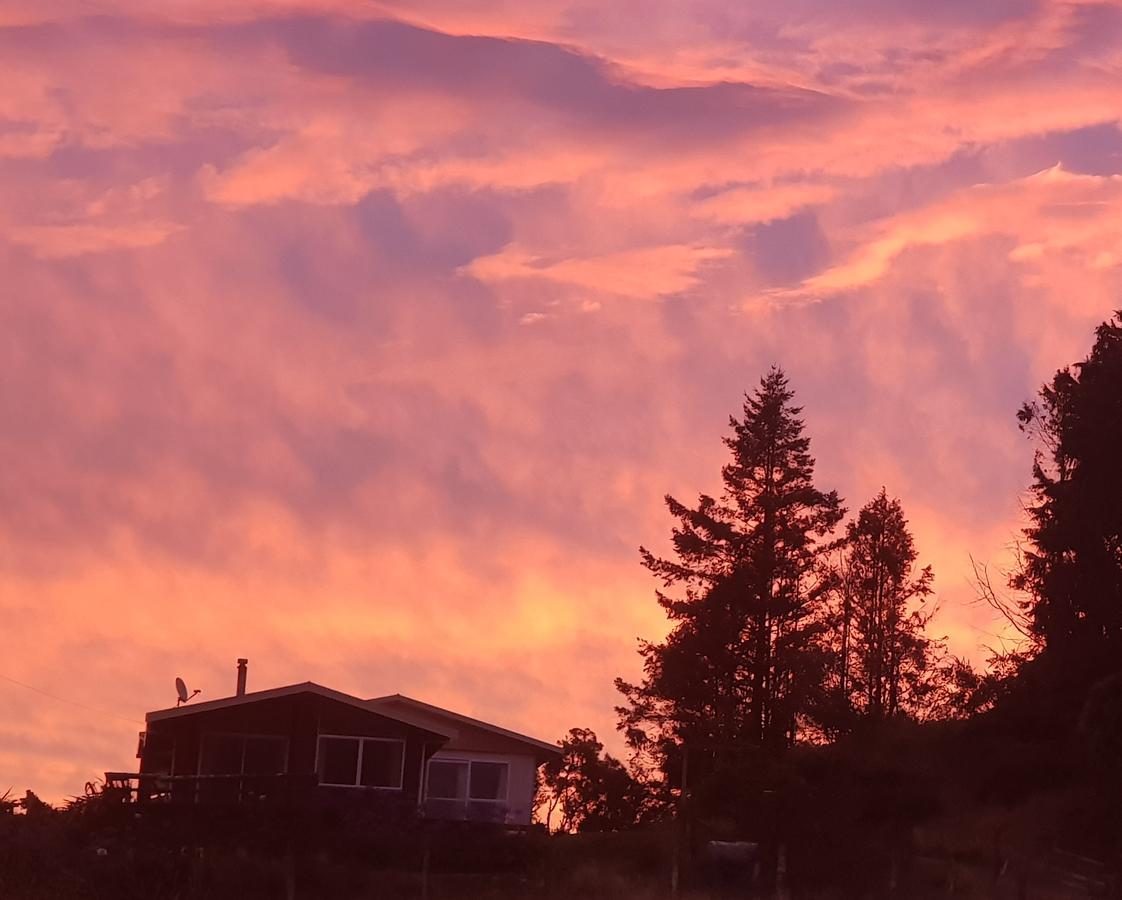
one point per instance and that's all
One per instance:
(744, 662)
(886, 663)
(1072, 566)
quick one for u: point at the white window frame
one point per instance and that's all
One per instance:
(468, 761)
(451, 762)
(362, 739)
(244, 736)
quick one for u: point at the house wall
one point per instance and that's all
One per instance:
(472, 742)
(520, 779)
(300, 718)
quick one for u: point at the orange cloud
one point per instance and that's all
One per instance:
(1051, 211)
(321, 348)
(643, 273)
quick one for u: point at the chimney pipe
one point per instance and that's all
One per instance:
(242, 663)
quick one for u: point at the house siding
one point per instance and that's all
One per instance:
(473, 742)
(301, 719)
(301, 714)
(521, 774)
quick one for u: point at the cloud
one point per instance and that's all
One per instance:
(60, 241)
(740, 205)
(643, 273)
(321, 343)
(1051, 211)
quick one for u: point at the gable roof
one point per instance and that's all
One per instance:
(427, 709)
(305, 687)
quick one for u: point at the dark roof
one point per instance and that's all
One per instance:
(305, 687)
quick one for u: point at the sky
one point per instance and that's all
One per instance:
(364, 339)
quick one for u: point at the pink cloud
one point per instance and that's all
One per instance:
(1053, 211)
(643, 273)
(321, 345)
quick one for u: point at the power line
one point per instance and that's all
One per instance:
(100, 712)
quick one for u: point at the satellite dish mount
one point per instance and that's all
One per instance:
(181, 692)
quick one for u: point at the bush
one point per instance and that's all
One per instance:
(1100, 725)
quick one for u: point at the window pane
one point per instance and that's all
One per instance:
(338, 760)
(222, 754)
(264, 755)
(381, 763)
(488, 781)
(159, 753)
(447, 780)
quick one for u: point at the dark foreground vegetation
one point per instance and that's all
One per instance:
(800, 732)
(998, 807)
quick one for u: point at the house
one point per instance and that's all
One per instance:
(308, 744)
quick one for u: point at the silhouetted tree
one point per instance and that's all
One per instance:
(1072, 565)
(745, 660)
(887, 665)
(589, 789)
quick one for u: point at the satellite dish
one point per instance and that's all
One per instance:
(181, 691)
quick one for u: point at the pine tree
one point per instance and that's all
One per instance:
(886, 663)
(744, 662)
(1072, 566)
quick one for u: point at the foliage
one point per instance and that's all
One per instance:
(745, 659)
(959, 691)
(1072, 566)
(1100, 725)
(590, 790)
(33, 806)
(853, 818)
(886, 663)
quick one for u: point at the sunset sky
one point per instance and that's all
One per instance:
(364, 339)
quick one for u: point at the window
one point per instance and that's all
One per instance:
(156, 752)
(381, 763)
(222, 754)
(361, 762)
(338, 760)
(243, 754)
(454, 779)
(447, 780)
(488, 781)
(264, 755)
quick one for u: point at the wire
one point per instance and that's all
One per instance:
(100, 712)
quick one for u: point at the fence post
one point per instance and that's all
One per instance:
(289, 873)
(781, 873)
(681, 833)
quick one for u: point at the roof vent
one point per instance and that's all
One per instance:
(242, 663)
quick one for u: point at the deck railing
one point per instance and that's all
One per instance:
(283, 789)
(465, 810)
(145, 787)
